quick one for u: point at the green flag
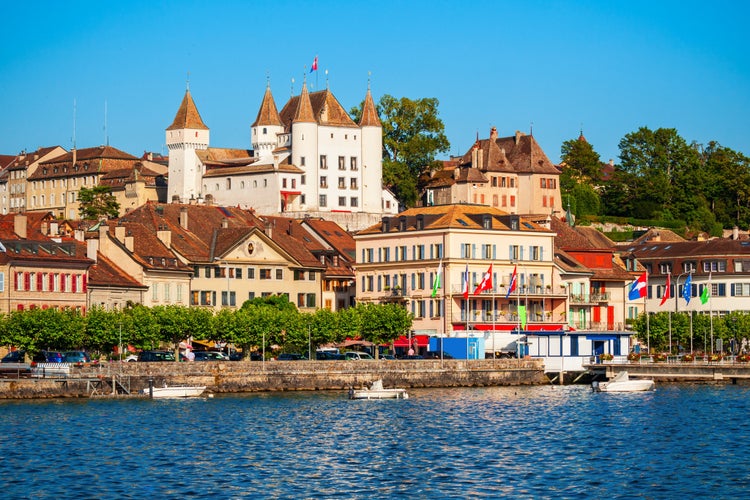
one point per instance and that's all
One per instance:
(436, 283)
(705, 295)
(522, 315)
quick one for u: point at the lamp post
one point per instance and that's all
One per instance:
(676, 301)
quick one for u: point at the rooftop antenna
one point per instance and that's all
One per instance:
(531, 129)
(327, 86)
(106, 137)
(74, 131)
(369, 75)
(268, 79)
(187, 82)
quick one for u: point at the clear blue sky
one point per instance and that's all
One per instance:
(607, 66)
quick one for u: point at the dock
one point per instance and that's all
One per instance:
(674, 371)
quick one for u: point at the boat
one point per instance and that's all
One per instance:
(623, 383)
(177, 391)
(376, 391)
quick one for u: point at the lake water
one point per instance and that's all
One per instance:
(684, 441)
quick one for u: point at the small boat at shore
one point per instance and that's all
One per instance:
(180, 391)
(376, 391)
(623, 383)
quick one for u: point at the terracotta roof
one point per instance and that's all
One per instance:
(106, 273)
(370, 116)
(303, 111)
(655, 235)
(455, 216)
(339, 239)
(88, 161)
(6, 160)
(294, 239)
(526, 155)
(224, 155)
(187, 115)
(324, 109)
(118, 178)
(267, 114)
(569, 264)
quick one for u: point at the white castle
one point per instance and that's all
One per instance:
(309, 159)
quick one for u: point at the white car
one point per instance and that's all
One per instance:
(131, 357)
(357, 355)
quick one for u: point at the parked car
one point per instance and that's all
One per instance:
(131, 357)
(436, 355)
(77, 357)
(290, 356)
(328, 356)
(150, 356)
(48, 357)
(14, 357)
(412, 356)
(209, 356)
(354, 355)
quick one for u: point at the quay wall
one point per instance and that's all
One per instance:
(247, 376)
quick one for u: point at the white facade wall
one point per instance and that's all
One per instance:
(372, 171)
(185, 169)
(305, 155)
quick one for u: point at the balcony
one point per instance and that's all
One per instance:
(590, 298)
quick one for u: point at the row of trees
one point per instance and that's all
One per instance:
(732, 328)
(660, 176)
(273, 320)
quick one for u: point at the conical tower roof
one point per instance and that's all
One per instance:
(369, 113)
(187, 116)
(304, 111)
(268, 115)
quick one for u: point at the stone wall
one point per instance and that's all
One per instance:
(253, 376)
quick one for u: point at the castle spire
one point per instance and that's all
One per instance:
(304, 111)
(268, 114)
(369, 111)
(187, 115)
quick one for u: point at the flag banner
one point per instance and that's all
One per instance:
(466, 283)
(436, 283)
(687, 289)
(314, 66)
(666, 290)
(706, 294)
(522, 315)
(513, 281)
(486, 283)
(638, 288)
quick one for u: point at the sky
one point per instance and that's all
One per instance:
(116, 72)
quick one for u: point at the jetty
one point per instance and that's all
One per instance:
(674, 370)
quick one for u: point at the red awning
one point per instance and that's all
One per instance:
(403, 341)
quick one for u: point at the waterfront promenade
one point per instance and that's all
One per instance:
(674, 370)
(246, 376)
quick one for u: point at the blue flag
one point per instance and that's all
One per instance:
(687, 290)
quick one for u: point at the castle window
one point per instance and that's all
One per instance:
(354, 201)
(323, 200)
(302, 161)
(342, 163)
(265, 130)
(229, 183)
(342, 201)
(323, 162)
(353, 162)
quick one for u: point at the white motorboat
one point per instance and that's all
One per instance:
(180, 391)
(376, 391)
(623, 383)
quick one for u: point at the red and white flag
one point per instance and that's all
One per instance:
(466, 283)
(314, 66)
(486, 283)
(513, 280)
(666, 290)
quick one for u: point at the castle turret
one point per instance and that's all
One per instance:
(305, 153)
(372, 156)
(185, 136)
(264, 132)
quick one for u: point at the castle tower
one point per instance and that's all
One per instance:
(372, 156)
(185, 136)
(264, 132)
(305, 153)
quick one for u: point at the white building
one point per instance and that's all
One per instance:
(309, 159)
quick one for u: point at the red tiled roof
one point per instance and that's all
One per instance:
(106, 273)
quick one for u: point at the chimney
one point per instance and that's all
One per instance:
(224, 223)
(175, 198)
(493, 134)
(611, 162)
(480, 159)
(92, 248)
(474, 156)
(129, 243)
(519, 134)
(19, 225)
(289, 228)
(184, 218)
(735, 233)
(103, 238)
(120, 233)
(386, 225)
(54, 228)
(165, 235)
(209, 200)
(78, 235)
(269, 229)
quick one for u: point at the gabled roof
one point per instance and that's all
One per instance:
(106, 273)
(519, 153)
(655, 235)
(117, 179)
(294, 239)
(148, 250)
(268, 115)
(454, 216)
(88, 161)
(187, 115)
(339, 239)
(324, 109)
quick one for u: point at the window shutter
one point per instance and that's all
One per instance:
(541, 253)
(74, 284)
(62, 282)
(26, 281)
(731, 290)
(51, 279)
(39, 281)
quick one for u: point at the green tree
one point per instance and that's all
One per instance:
(383, 323)
(97, 202)
(413, 135)
(581, 164)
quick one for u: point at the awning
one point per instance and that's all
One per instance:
(403, 341)
(205, 343)
(350, 343)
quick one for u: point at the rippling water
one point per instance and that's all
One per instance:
(532, 442)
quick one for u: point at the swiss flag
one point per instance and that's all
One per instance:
(486, 283)
(314, 66)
